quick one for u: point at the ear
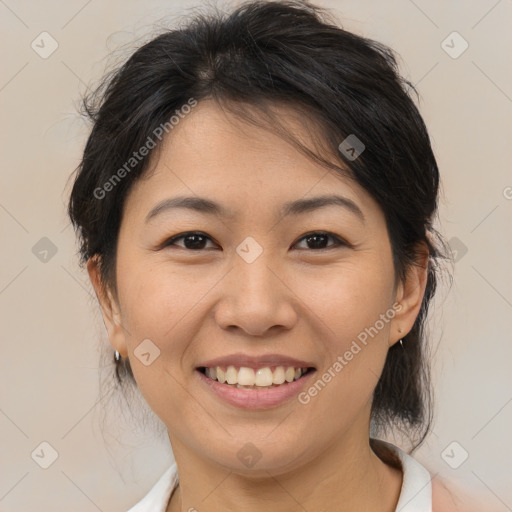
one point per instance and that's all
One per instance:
(109, 309)
(409, 295)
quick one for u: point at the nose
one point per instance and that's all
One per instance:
(256, 297)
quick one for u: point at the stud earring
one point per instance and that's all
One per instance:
(117, 356)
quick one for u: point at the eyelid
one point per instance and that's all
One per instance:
(339, 241)
(171, 240)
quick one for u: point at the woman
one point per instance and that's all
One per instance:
(255, 206)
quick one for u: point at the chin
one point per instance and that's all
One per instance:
(257, 459)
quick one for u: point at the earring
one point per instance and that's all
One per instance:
(117, 356)
(401, 344)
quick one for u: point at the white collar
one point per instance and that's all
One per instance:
(415, 494)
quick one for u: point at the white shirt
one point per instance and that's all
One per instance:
(415, 494)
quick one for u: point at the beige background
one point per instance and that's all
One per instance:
(50, 327)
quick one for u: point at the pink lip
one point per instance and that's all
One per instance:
(255, 362)
(256, 398)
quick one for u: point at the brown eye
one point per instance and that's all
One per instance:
(318, 240)
(194, 241)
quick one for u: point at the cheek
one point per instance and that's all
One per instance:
(167, 306)
(159, 306)
(348, 299)
(156, 297)
(354, 338)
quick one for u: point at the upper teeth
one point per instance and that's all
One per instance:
(249, 377)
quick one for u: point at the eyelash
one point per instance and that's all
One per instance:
(339, 242)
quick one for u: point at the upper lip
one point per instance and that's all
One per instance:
(256, 361)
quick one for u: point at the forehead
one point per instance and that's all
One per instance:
(213, 153)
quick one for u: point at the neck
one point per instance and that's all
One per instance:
(348, 477)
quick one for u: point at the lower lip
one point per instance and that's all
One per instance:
(256, 398)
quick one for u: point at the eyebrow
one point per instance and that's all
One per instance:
(298, 207)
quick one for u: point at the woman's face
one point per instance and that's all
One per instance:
(253, 284)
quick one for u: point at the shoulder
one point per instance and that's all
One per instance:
(446, 497)
(423, 490)
(443, 499)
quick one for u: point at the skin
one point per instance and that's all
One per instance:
(294, 299)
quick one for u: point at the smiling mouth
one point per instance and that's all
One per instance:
(242, 377)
